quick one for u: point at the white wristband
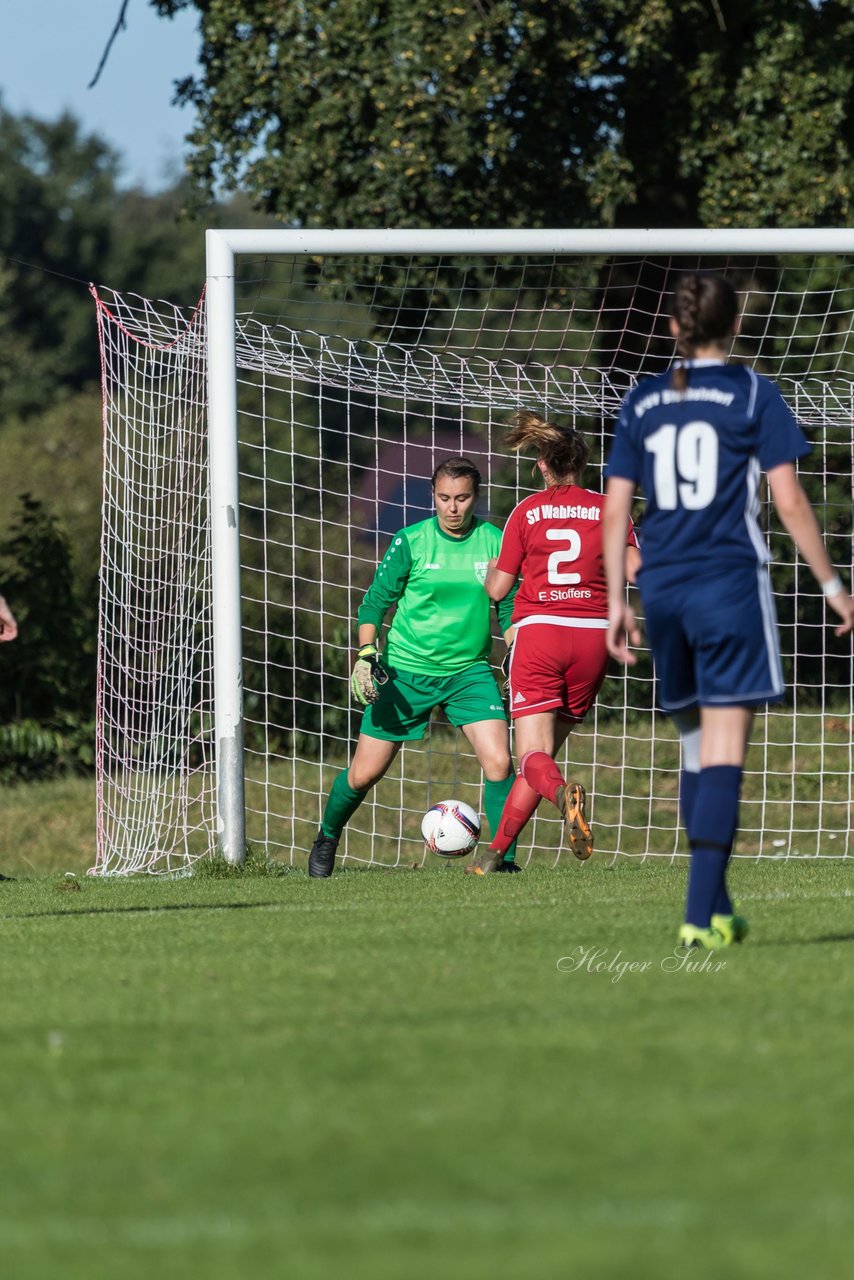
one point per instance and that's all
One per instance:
(833, 586)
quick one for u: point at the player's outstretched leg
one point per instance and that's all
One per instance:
(518, 808)
(571, 801)
(540, 772)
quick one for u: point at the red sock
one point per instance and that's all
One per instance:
(540, 772)
(518, 808)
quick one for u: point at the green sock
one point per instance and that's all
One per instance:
(342, 803)
(494, 795)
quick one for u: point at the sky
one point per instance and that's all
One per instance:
(50, 51)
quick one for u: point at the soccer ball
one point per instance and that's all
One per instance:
(451, 828)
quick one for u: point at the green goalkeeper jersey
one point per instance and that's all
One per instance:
(442, 623)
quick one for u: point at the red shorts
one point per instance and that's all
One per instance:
(556, 668)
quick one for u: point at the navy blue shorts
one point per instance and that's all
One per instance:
(714, 639)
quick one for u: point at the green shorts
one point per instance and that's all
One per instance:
(407, 700)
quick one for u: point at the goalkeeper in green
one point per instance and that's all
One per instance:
(436, 655)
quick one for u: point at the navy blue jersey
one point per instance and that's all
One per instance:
(697, 455)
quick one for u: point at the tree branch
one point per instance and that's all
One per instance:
(719, 15)
(120, 24)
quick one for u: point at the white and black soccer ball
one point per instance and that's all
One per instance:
(451, 828)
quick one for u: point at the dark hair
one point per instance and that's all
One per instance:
(562, 449)
(705, 307)
(458, 469)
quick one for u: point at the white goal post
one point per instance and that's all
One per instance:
(355, 410)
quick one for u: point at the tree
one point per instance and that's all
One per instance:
(47, 675)
(65, 221)
(739, 113)
(57, 458)
(58, 199)
(526, 112)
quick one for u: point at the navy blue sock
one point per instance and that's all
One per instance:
(711, 831)
(722, 905)
(705, 876)
(688, 783)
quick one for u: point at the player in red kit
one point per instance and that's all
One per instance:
(553, 539)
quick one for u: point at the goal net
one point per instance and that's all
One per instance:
(350, 373)
(154, 758)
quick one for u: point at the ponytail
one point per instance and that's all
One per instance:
(705, 308)
(562, 449)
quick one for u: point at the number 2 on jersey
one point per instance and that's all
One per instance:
(685, 466)
(558, 558)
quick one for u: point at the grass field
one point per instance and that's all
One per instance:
(420, 1074)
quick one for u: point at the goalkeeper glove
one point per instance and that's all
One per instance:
(367, 674)
(505, 671)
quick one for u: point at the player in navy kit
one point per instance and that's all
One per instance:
(695, 440)
(553, 541)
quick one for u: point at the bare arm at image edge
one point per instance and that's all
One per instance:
(8, 625)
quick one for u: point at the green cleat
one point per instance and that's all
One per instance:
(732, 928)
(693, 937)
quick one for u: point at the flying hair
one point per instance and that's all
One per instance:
(562, 449)
(705, 308)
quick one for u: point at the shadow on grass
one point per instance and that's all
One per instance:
(155, 910)
(798, 942)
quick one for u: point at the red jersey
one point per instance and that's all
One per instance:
(553, 540)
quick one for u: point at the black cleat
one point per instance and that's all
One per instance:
(321, 860)
(510, 867)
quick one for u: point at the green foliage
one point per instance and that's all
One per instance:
(65, 221)
(56, 457)
(30, 751)
(526, 112)
(772, 145)
(394, 113)
(47, 675)
(57, 207)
